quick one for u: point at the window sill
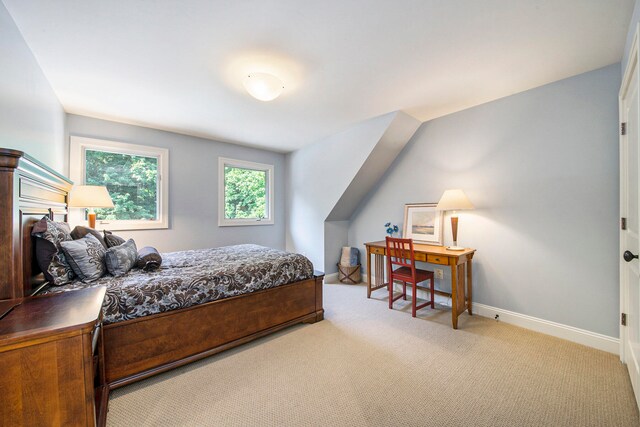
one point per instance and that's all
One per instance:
(240, 222)
(119, 226)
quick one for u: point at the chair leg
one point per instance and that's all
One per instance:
(433, 303)
(404, 291)
(390, 294)
(414, 299)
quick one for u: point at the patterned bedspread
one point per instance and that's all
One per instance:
(193, 277)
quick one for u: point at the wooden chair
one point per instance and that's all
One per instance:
(400, 254)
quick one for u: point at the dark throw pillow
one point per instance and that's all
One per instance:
(86, 257)
(112, 240)
(149, 259)
(120, 259)
(49, 255)
(45, 251)
(80, 231)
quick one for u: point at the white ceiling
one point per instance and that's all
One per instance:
(179, 65)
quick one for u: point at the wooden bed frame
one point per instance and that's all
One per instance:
(141, 347)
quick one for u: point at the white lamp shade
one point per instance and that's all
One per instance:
(90, 196)
(263, 86)
(454, 200)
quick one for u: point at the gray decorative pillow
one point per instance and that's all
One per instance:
(112, 240)
(86, 257)
(49, 255)
(120, 259)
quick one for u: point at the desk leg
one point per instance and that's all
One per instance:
(380, 267)
(368, 273)
(469, 285)
(454, 295)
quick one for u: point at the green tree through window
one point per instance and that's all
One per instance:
(245, 193)
(132, 182)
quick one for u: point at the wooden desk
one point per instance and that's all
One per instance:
(457, 261)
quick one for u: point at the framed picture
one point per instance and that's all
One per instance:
(423, 223)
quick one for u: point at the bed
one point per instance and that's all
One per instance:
(199, 320)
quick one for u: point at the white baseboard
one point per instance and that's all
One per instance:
(558, 330)
(577, 335)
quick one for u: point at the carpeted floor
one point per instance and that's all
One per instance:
(366, 365)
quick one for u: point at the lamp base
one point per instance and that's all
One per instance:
(92, 219)
(455, 248)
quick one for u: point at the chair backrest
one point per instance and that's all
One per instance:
(400, 254)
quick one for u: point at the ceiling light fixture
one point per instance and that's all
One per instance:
(263, 86)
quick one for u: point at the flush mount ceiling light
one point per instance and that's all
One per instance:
(263, 86)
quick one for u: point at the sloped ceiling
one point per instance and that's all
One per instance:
(385, 151)
(328, 180)
(178, 65)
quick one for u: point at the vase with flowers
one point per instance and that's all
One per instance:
(391, 229)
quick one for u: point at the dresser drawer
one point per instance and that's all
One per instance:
(438, 259)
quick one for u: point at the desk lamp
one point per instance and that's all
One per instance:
(454, 200)
(90, 196)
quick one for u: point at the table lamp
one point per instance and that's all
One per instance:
(454, 200)
(90, 196)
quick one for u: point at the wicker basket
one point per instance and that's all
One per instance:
(348, 274)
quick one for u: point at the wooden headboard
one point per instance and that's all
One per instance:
(28, 191)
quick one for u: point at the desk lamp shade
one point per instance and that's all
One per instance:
(90, 196)
(454, 200)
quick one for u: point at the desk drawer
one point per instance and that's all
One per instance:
(377, 251)
(420, 256)
(437, 259)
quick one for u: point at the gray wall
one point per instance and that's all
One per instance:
(317, 175)
(541, 168)
(327, 181)
(193, 187)
(336, 234)
(31, 118)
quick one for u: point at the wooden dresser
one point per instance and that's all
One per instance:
(51, 357)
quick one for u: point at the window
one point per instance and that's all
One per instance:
(245, 193)
(135, 175)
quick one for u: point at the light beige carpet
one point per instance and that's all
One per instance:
(366, 365)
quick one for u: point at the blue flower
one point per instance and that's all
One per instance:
(389, 231)
(395, 228)
(387, 224)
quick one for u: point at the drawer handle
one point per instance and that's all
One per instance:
(94, 340)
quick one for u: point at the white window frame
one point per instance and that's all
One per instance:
(79, 146)
(243, 164)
